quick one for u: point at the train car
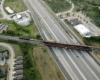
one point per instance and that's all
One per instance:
(24, 38)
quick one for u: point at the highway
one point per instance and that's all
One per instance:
(82, 67)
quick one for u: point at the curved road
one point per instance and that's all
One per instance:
(12, 55)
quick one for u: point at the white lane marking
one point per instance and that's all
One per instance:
(88, 67)
(63, 62)
(49, 28)
(75, 65)
(56, 62)
(72, 72)
(45, 23)
(54, 24)
(90, 61)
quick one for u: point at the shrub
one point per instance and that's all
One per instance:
(38, 36)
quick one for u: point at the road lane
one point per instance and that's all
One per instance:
(51, 25)
(59, 35)
(61, 59)
(65, 73)
(67, 64)
(83, 67)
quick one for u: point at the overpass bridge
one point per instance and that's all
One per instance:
(68, 46)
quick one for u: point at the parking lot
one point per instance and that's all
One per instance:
(95, 31)
(86, 21)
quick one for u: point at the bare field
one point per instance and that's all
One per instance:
(46, 64)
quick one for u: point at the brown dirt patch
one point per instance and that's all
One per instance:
(96, 44)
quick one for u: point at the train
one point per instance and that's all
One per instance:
(30, 39)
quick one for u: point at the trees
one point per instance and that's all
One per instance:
(10, 32)
(25, 48)
(0, 70)
(58, 5)
(93, 39)
(38, 36)
(32, 73)
(27, 62)
(68, 14)
(78, 9)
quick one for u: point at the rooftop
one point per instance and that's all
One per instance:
(19, 72)
(19, 66)
(9, 10)
(2, 79)
(74, 20)
(81, 29)
(5, 54)
(19, 77)
(0, 55)
(19, 62)
(3, 69)
(18, 16)
(19, 58)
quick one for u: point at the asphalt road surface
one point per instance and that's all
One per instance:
(20, 40)
(75, 65)
(12, 55)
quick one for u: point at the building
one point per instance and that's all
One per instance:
(5, 54)
(19, 72)
(0, 56)
(19, 66)
(3, 28)
(2, 79)
(3, 69)
(99, 8)
(73, 21)
(18, 16)
(82, 30)
(19, 62)
(19, 58)
(9, 10)
(19, 77)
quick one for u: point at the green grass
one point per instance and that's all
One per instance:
(29, 31)
(16, 5)
(2, 48)
(17, 50)
(58, 5)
